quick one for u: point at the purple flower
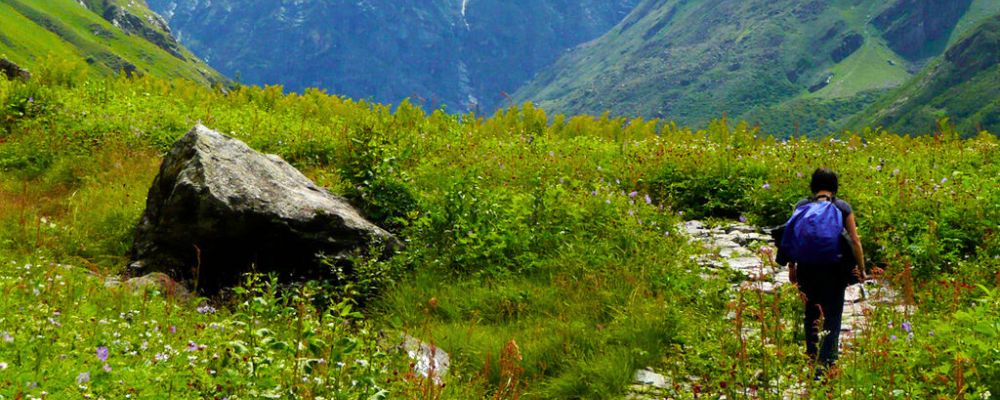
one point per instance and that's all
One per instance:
(766, 186)
(943, 180)
(31, 99)
(161, 357)
(878, 168)
(173, 329)
(102, 353)
(799, 175)
(84, 377)
(631, 213)
(7, 338)
(632, 195)
(743, 219)
(907, 327)
(206, 309)
(649, 200)
(667, 233)
(893, 337)
(107, 368)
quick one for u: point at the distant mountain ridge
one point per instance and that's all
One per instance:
(463, 54)
(108, 36)
(793, 66)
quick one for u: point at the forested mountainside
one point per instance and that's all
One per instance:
(110, 36)
(463, 54)
(963, 85)
(790, 65)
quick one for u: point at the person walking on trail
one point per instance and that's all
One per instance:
(820, 243)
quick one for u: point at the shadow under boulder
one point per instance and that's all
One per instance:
(218, 209)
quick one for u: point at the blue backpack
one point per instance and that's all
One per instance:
(812, 235)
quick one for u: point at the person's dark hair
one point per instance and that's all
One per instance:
(824, 179)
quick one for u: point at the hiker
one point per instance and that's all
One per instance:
(820, 243)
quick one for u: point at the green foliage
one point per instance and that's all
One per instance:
(556, 234)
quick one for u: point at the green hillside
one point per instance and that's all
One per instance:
(782, 64)
(107, 36)
(963, 85)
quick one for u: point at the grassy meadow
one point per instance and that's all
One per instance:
(543, 253)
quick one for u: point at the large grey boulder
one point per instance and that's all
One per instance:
(218, 209)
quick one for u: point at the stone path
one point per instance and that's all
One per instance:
(736, 247)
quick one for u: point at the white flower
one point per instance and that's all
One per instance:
(986, 395)
(3, 366)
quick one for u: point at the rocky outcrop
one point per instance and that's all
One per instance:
(850, 43)
(153, 29)
(218, 209)
(911, 25)
(13, 71)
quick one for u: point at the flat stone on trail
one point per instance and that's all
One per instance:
(650, 378)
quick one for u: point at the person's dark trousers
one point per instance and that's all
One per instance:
(823, 288)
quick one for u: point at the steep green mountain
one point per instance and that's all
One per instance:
(788, 64)
(963, 85)
(110, 36)
(457, 53)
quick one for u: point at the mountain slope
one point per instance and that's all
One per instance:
(964, 85)
(775, 62)
(457, 53)
(109, 36)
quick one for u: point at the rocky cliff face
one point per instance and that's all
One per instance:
(458, 53)
(914, 28)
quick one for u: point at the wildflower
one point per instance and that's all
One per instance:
(107, 368)
(667, 233)
(907, 327)
(649, 200)
(206, 309)
(895, 172)
(102, 353)
(893, 337)
(631, 213)
(986, 395)
(7, 338)
(878, 168)
(798, 175)
(3, 366)
(743, 219)
(161, 357)
(943, 180)
(84, 377)
(633, 194)
(766, 186)
(173, 329)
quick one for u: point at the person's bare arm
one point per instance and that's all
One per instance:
(859, 253)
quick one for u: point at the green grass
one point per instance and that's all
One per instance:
(528, 259)
(865, 70)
